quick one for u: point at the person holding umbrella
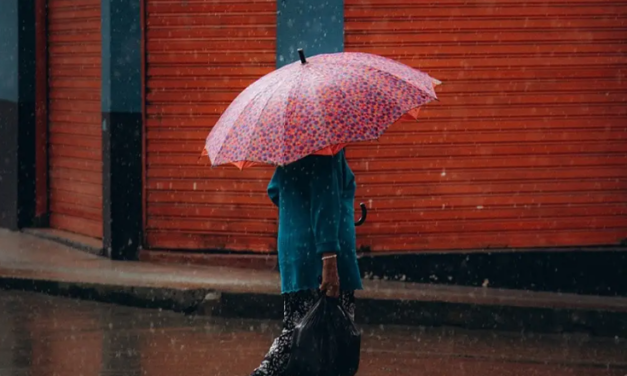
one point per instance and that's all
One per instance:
(315, 196)
(300, 118)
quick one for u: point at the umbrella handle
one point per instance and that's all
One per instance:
(364, 214)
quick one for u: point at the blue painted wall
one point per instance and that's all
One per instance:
(121, 56)
(17, 113)
(9, 50)
(315, 26)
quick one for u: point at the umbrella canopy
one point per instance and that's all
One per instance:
(317, 106)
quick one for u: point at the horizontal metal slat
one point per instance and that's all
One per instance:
(388, 10)
(492, 24)
(506, 225)
(75, 210)
(482, 213)
(209, 45)
(191, 241)
(452, 37)
(217, 226)
(486, 174)
(88, 201)
(229, 57)
(69, 5)
(156, 8)
(80, 165)
(192, 20)
(474, 188)
(448, 4)
(62, 186)
(233, 33)
(93, 177)
(63, 151)
(79, 225)
(486, 241)
(558, 49)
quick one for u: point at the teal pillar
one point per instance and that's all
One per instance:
(122, 127)
(315, 26)
(17, 113)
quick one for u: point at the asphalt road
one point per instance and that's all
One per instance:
(50, 336)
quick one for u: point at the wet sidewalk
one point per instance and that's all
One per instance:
(34, 264)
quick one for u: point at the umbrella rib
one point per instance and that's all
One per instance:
(248, 105)
(235, 122)
(322, 109)
(395, 77)
(241, 112)
(276, 88)
(348, 97)
(359, 111)
(286, 117)
(432, 95)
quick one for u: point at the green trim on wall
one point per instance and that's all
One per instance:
(121, 56)
(9, 51)
(315, 26)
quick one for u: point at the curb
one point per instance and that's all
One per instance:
(207, 302)
(179, 300)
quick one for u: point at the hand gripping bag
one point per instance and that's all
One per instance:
(325, 343)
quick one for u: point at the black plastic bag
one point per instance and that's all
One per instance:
(325, 343)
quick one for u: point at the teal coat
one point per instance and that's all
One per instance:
(315, 196)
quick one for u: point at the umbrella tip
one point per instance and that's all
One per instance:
(301, 53)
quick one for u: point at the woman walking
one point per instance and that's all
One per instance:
(315, 197)
(307, 108)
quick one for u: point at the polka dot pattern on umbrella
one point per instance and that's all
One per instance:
(303, 109)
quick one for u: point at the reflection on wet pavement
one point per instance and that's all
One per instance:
(42, 335)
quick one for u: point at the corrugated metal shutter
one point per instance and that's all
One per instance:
(200, 55)
(528, 145)
(75, 136)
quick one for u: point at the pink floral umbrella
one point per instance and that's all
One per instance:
(317, 106)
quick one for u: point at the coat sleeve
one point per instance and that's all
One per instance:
(274, 188)
(325, 202)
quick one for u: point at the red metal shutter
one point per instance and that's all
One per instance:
(74, 116)
(528, 146)
(200, 56)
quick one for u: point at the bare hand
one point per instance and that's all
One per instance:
(330, 278)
